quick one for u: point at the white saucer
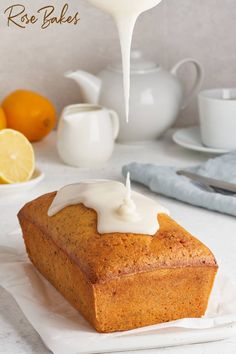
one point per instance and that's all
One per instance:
(10, 189)
(190, 138)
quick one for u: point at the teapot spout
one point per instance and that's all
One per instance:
(90, 85)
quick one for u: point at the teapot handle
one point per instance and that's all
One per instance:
(197, 83)
(115, 123)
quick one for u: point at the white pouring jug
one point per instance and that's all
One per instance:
(86, 135)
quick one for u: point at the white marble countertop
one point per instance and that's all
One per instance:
(217, 231)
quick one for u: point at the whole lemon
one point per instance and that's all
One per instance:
(30, 113)
(3, 121)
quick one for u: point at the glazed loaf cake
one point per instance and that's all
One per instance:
(118, 281)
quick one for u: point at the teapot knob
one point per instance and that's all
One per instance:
(136, 54)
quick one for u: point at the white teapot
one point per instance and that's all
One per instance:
(155, 101)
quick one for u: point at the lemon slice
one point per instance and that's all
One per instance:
(16, 157)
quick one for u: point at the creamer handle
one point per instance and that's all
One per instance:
(197, 83)
(115, 123)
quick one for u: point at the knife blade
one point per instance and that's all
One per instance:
(210, 182)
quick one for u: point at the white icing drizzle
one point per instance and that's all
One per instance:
(128, 210)
(125, 14)
(118, 208)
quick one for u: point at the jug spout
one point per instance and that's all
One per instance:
(90, 85)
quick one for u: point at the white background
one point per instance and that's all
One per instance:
(36, 59)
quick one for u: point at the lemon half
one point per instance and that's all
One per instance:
(17, 161)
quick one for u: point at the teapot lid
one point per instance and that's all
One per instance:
(137, 63)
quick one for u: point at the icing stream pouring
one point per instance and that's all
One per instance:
(118, 208)
(125, 14)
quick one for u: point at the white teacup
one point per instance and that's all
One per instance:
(86, 135)
(217, 109)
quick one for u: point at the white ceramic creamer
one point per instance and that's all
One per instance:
(86, 135)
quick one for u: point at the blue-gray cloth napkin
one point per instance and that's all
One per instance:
(164, 180)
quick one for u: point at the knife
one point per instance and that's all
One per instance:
(217, 185)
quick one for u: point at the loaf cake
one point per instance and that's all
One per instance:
(118, 281)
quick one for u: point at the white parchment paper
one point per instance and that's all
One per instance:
(64, 331)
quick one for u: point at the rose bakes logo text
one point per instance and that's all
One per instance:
(18, 16)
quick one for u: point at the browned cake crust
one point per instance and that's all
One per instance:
(118, 281)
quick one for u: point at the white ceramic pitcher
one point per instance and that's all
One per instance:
(86, 135)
